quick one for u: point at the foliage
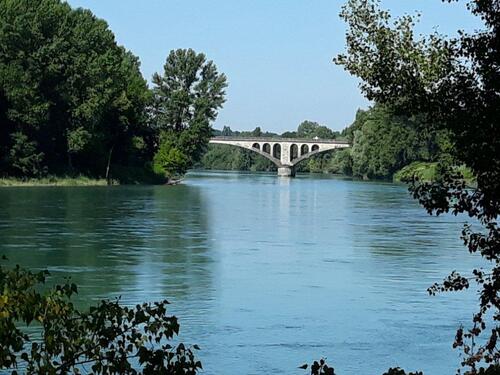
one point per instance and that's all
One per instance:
(23, 156)
(187, 97)
(311, 129)
(423, 171)
(384, 144)
(55, 181)
(398, 371)
(289, 135)
(430, 171)
(341, 163)
(359, 120)
(224, 157)
(78, 139)
(320, 368)
(230, 158)
(170, 160)
(109, 338)
(452, 85)
(257, 132)
(68, 94)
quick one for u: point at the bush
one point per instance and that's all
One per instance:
(169, 161)
(109, 338)
(423, 171)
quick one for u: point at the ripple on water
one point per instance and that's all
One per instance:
(265, 274)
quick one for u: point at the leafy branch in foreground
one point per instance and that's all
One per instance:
(321, 368)
(106, 339)
(452, 85)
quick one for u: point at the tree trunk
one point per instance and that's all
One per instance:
(108, 177)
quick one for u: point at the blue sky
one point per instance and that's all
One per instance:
(277, 54)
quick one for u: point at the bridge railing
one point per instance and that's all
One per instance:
(278, 139)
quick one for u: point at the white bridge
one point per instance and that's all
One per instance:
(286, 153)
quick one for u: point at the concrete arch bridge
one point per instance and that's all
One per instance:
(286, 153)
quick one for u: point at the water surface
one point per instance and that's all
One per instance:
(264, 273)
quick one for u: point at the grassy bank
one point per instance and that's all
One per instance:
(54, 181)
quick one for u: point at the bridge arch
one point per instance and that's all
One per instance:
(314, 151)
(266, 147)
(277, 151)
(294, 152)
(284, 153)
(304, 149)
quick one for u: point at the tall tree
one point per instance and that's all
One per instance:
(452, 84)
(67, 87)
(226, 131)
(187, 97)
(311, 129)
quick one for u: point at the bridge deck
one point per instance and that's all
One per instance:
(277, 139)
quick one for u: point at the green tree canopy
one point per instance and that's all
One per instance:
(67, 87)
(257, 132)
(107, 338)
(187, 97)
(226, 131)
(451, 84)
(311, 129)
(383, 143)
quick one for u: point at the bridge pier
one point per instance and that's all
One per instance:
(286, 171)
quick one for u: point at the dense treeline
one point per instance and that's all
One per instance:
(383, 143)
(72, 101)
(70, 98)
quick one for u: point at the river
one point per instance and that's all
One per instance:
(264, 273)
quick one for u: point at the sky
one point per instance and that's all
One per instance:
(277, 54)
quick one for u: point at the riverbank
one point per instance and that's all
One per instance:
(55, 181)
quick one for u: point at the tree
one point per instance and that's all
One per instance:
(359, 120)
(108, 338)
(453, 85)
(24, 157)
(257, 132)
(311, 129)
(67, 86)
(169, 160)
(383, 144)
(289, 135)
(186, 100)
(225, 157)
(226, 131)
(341, 163)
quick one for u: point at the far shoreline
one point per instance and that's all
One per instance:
(55, 181)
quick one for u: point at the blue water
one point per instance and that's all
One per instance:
(264, 273)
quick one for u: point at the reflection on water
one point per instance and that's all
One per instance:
(128, 241)
(264, 273)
